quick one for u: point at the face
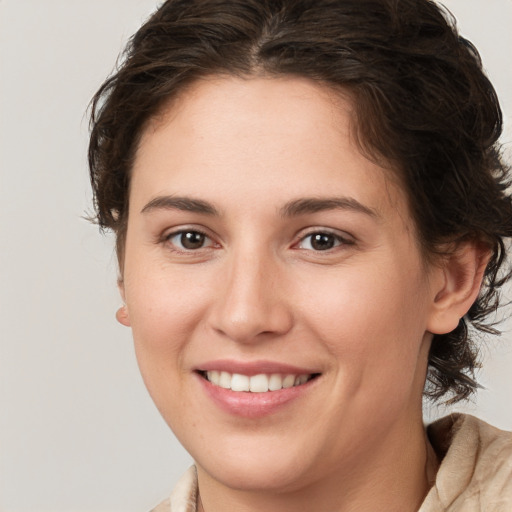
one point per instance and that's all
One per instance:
(273, 282)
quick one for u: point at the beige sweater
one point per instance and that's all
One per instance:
(475, 474)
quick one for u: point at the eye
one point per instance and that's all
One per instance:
(189, 240)
(321, 241)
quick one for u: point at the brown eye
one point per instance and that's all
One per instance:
(189, 240)
(322, 241)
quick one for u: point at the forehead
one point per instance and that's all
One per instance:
(236, 140)
(283, 108)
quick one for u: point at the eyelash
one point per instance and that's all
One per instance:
(337, 240)
(180, 233)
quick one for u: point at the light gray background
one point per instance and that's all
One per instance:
(77, 429)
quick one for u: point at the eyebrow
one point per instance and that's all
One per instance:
(293, 208)
(313, 205)
(186, 204)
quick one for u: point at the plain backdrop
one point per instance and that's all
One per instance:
(78, 431)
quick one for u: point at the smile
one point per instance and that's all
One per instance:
(261, 383)
(255, 389)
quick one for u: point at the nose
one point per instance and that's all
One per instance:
(252, 302)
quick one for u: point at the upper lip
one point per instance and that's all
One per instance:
(250, 368)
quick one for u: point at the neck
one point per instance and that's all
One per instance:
(394, 475)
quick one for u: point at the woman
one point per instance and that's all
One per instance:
(311, 212)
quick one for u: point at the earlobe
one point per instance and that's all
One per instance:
(122, 315)
(461, 274)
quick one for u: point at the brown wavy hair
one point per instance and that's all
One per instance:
(423, 106)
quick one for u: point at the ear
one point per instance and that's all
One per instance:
(122, 315)
(457, 285)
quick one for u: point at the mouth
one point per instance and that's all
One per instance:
(255, 389)
(260, 383)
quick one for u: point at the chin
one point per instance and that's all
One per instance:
(272, 467)
(257, 477)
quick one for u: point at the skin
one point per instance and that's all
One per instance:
(361, 314)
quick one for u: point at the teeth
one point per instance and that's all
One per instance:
(275, 382)
(288, 381)
(239, 382)
(224, 380)
(257, 383)
(214, 376)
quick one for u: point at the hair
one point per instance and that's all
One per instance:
(422, 104)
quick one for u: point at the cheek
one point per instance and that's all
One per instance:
(373, 321)
(163, 320)
(165, 310)
(163, 302)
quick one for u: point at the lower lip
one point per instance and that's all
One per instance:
(253, 405)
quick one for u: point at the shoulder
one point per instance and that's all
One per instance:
(164, 506)
(184, 495)
(476, 465)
